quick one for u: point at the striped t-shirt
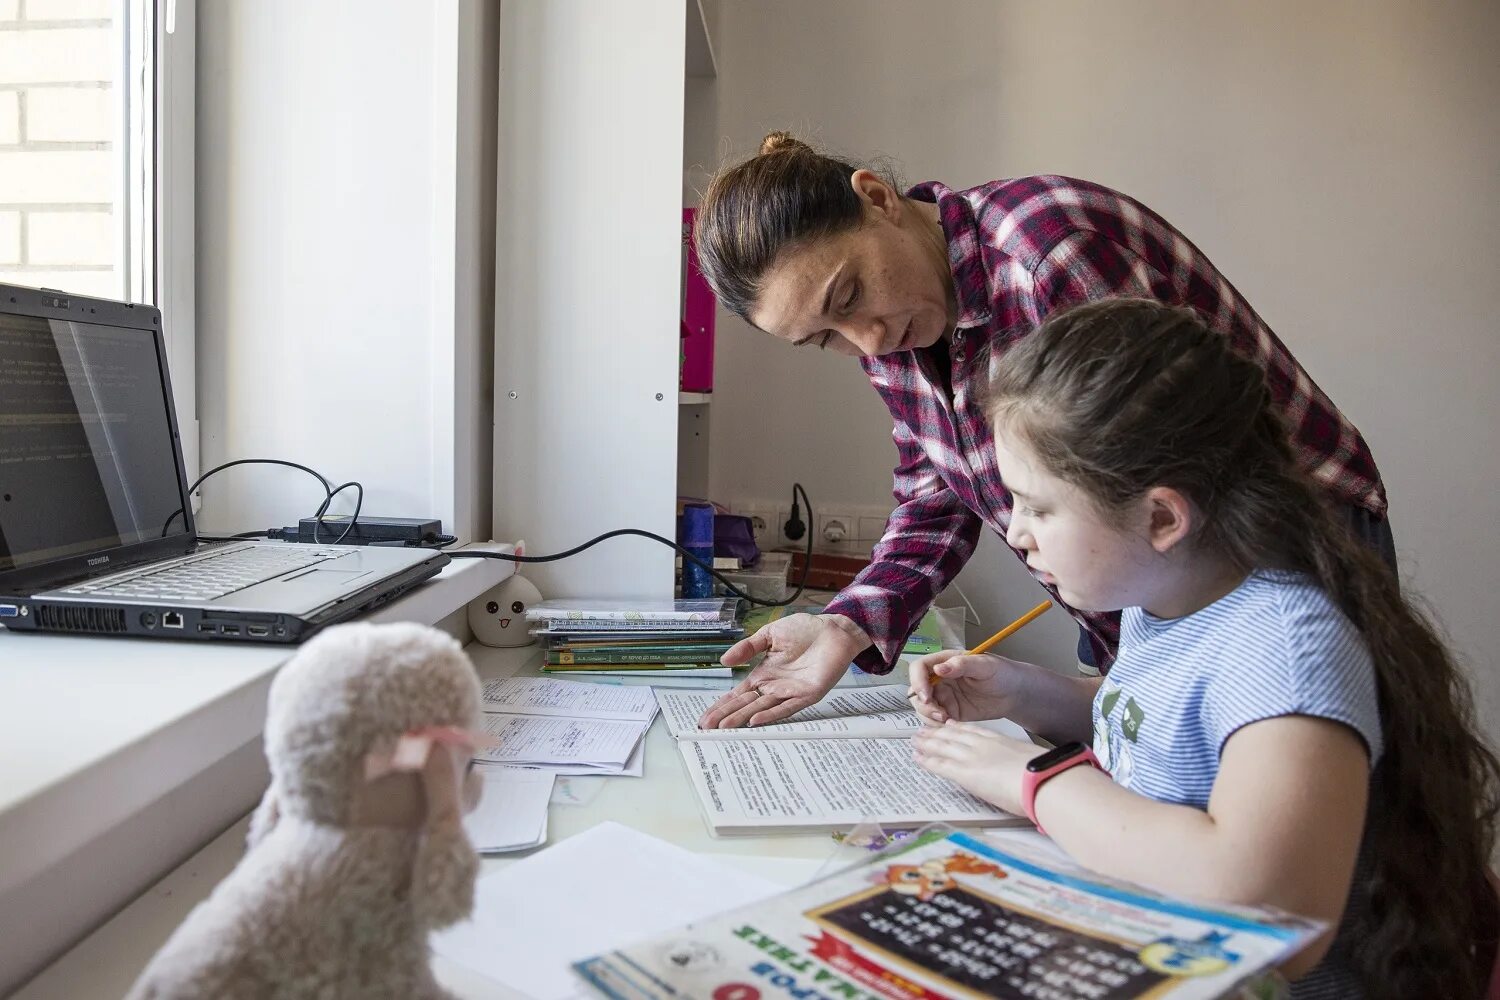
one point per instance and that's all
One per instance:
(1277, 645)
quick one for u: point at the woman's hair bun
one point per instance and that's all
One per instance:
(777, 142)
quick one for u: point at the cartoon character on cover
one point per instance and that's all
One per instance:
(934, 875)
(357, 850)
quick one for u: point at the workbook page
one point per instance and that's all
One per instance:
(882, 711)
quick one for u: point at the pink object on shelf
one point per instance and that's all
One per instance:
(698, 307)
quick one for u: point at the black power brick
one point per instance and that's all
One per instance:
(366, 531)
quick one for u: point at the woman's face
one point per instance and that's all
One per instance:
(884, 287)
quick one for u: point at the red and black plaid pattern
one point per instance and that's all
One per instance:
(1018, 250)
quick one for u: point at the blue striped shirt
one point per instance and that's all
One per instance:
(1277, 645)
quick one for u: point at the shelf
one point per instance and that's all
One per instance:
(694, 398)
(700, 47)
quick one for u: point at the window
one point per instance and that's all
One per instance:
(96, 139)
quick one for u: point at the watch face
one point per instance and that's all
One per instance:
(1055, 756)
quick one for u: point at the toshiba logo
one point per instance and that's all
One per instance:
(98, 560)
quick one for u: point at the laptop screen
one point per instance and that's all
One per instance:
(87, 461)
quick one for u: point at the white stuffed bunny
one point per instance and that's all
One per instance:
(357, 850)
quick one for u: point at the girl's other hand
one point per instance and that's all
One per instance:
(983, 763)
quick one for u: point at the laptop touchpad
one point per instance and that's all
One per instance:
(329, 575)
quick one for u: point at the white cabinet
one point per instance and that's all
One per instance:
(591, 177)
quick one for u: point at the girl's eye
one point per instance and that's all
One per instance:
(1032, 512)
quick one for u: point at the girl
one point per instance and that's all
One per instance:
(1280, 727)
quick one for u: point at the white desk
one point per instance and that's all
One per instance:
(120, 756)
(661, 803)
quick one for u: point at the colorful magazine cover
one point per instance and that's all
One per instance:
(948, 914)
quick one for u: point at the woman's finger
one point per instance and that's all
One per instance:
(747, 648)
(780, 710)
(727, 703)
(747, 707)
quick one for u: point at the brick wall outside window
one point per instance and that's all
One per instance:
(60, 145)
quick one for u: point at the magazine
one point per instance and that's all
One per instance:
(947, 914)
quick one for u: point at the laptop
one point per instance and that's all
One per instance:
(96, 532)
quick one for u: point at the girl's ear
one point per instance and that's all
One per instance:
(1171, 518)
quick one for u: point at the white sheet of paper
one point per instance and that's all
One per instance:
(635, 767)
(542, 740)
(571, 699)
(512, 811)
(595, 891)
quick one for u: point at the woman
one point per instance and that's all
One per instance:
(929, 290)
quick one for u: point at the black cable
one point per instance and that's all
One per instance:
(327, 486)
(737, 592)
(323, 509)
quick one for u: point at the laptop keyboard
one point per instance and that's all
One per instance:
(212, 575)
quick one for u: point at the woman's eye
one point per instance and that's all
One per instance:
(824, 341)
(852, 297)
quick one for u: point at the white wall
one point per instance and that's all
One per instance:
(1336, 160)
(342, 302)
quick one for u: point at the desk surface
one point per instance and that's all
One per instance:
(660, 803)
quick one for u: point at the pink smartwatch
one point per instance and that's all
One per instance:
(1046, 765)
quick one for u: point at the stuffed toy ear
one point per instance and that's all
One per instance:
(263, 820)
(446, 863)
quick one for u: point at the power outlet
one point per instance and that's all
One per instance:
(762, 523)
(782, 539)
(835, 529)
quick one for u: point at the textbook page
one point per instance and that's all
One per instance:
(570, 699)
(882, 711)
(759, 786)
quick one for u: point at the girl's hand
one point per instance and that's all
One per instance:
(983, 763)
(971, 688)
(805, 655)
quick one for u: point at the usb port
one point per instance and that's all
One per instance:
(9, 611)
(257, 630)
(207, 628)
(230, 629)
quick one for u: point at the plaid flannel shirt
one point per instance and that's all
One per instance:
(1019, 249)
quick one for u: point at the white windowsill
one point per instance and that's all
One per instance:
(98, 729)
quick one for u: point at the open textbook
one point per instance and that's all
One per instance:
(947, 914)
(842, 762)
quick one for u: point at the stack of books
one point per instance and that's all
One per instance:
(641, 638)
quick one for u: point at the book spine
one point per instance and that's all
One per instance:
(625, 668)
(627, 656)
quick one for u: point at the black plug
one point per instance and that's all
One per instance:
(794, 527)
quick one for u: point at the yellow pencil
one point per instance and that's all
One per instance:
(1012, 628)
(1004, 633)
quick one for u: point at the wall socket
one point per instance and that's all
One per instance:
(836, 528)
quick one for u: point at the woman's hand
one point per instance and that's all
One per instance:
(953, 684)
(805, 655)
(983, 763)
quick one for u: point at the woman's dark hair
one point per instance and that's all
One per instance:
(1119, 396)
(787, 196)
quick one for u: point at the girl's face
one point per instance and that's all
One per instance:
(1096, 565)
(884, 287)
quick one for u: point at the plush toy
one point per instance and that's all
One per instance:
(357, 850)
